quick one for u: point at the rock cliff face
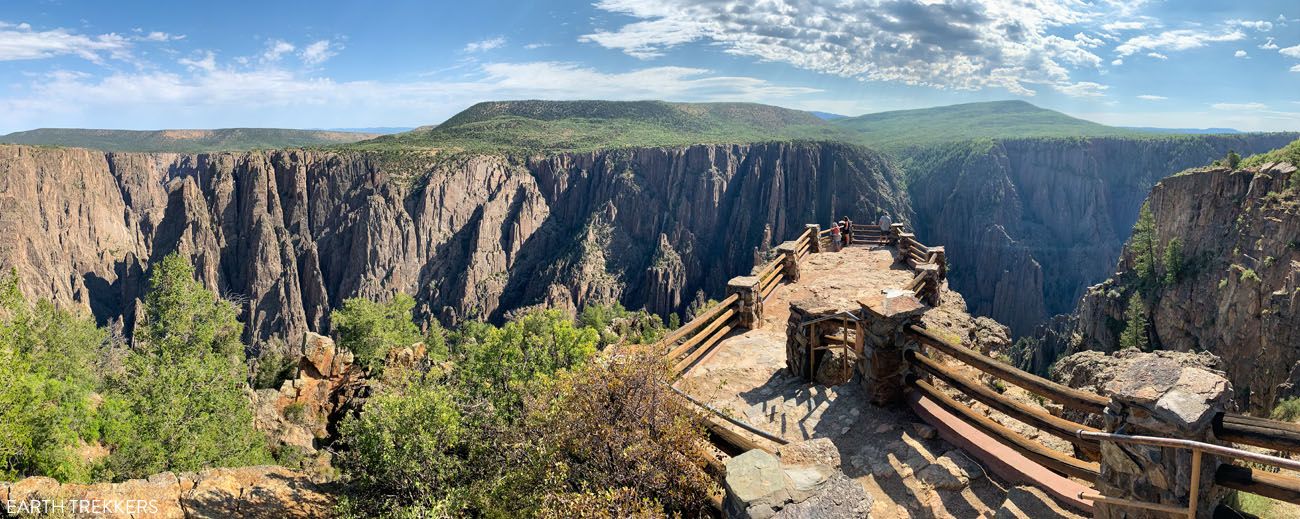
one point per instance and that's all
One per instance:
(291, 234)
(1238, 294)
(1030, 224)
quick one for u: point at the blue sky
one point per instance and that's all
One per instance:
(323, 64)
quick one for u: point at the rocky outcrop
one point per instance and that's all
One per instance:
(1237, 293)
(291, 234)
(1030, 224)
(248, 492)
(302, 411)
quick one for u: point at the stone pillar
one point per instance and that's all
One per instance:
(1160, 396)
(789, 260)
(894, 230)
(929, 291)
(814, 244)
(749, 308)
(937, 254)
(886, 316)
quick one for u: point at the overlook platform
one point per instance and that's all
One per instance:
(891, 452)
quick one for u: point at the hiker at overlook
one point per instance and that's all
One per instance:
(885, 222)
(847, 231)
(835, 237)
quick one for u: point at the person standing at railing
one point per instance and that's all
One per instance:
(885, 222)
(835, 237)
(847, 231)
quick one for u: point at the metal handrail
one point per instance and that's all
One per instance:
(1197, 448)
(1218, 450)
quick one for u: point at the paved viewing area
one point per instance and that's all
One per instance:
(893, 455)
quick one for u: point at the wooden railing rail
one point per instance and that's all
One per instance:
(1039, 453)
(1035, 417)
(1259, 432)
(1059, 393)
(671, 338)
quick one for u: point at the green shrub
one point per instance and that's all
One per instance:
(1288, 410)
(369, 329)
(181, 405)
(47, 382)
(1249, 275)
(616, 324)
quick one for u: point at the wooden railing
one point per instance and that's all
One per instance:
(1036, 417)
(1234, 428)
(700, 335)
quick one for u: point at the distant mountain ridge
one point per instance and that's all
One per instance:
(891, 131)
(575, 126)
(1190, 131)
(183, 141)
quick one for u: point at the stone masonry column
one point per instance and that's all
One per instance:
(1159, 396)
(894, 231)
(886, 316)
(789, 260)
(814, 244)
(941, 259)
(749, 307)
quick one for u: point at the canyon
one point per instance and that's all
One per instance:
(289, 235)
(1029, 224)
(1235, 291)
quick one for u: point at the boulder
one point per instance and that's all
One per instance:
(759, 486)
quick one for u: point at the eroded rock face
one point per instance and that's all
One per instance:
(1030, 224)
(293, 233)
(248, 492)
(1238, 295)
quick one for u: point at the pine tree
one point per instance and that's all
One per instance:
(1135, 330)
(1142, 245)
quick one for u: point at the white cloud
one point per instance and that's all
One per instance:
(1291, 52)
(966, 45)
(532, 46)
(1269, 45)
(485, 45)
(1157, 55)
(1295, 68)
(317, 52)
(1124, 26)
(20, 42)
(275, 49)
(207, 63)
(1082, 89)
(1239, 54)
(1117, 62)
(1239, 107)
(159, 36)
(1149, 97)
(1176, 40)
(1259, 25)
(215, 94)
